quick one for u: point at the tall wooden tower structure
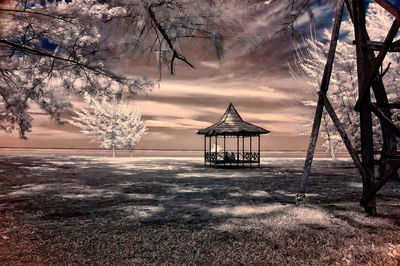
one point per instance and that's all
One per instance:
(369, 79)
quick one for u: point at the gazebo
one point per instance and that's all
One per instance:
(231, 126)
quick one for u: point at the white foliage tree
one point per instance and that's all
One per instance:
(310, 62)
(343, 92)
(112, 122)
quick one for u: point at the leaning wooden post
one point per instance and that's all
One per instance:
(345, 138)
(318, 112)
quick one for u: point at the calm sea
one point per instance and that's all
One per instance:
(148, 153)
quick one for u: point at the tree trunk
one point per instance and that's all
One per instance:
(331, 150)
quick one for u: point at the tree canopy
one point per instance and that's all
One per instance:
(111, 122)
(53, 48)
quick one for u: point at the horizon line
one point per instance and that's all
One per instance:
(160, 149)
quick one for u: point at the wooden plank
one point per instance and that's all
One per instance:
(394, 105)
(345, 138)
(396, 44)
(318, 112)
(389, 7)
(378, 46)
(367, 82)
(385, 119)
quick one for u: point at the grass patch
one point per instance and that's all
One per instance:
(72, 210)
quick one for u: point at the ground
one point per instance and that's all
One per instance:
(127, 211)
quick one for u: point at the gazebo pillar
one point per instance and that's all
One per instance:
(258, 151)
(216, 150)
(209, 150)
(205, 149)
(237, 152)
(224, 149)
(251, 155)
(243, 150)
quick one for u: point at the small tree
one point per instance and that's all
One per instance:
(112, 123)
(133, 129)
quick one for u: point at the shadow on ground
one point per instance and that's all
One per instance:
(79, 210)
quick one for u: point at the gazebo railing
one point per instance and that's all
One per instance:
(231, 157)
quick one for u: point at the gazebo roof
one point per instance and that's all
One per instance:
(232, 124)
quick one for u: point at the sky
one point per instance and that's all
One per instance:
(255, 78)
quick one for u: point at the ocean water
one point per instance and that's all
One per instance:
(151, 153)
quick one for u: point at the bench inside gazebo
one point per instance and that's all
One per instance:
(231, 125)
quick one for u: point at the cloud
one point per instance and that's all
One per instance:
(254, 76)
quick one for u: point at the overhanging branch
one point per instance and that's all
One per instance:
(175, 53)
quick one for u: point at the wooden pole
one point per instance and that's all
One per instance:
(216, 150)
(378, 185)
(385, 120)
(209, 150)
(242, 150)
(224, 149)
(344, 136)
(205, 149)
(364, 93)
(251, 155)
(389, 7)
(389, 139)
(237, 150)
(259, 154)
(318, 112)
